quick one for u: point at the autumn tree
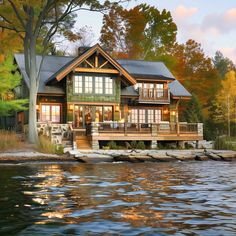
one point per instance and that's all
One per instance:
(140, 32)
(36, 22)
(9, 80)
(226, 100)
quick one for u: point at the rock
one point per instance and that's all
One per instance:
(227, 156)
(201, 157)
(93, 158)
(126, 157)
(213, 156)
(181, 157)
(144, 158)
(162, 158)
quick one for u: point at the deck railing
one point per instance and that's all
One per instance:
(145, 128)
(152, 94)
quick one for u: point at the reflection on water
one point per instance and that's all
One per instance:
(118, 199)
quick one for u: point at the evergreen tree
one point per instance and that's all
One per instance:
(193, 112)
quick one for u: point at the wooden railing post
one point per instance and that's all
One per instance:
(177, 128)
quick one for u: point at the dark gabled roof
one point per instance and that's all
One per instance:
(148, 69)
(178, 90)
(50, 65)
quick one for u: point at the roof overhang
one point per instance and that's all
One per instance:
(96, 48)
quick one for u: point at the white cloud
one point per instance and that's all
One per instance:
(223, 22)
(229, 52)
(183, 12)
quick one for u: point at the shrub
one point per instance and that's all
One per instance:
(8, 140)
(224, 143)
(133, 144)
(140, 145)
(46, 146)
(112, 145)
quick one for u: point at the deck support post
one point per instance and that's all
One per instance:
(94, 132)
(153, 144)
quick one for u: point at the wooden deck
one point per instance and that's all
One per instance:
(146, 131)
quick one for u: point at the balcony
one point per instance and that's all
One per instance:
(153, 95)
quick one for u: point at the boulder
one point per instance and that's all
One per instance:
(201, 157)
(181, 157)
(144, 158)
(227, 156)
(93, 158)
(162, 158)
(213, 156)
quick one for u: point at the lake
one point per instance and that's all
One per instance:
(183, 198)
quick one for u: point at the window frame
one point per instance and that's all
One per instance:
(50, 112)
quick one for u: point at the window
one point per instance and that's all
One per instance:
(142, 116)
(107, 113)
(150, 116)
(108, 85)
(133, 118)
(157, 116)
(99, 85)
(78, 84)
(88, 84)
(50, 113)
(160, 90)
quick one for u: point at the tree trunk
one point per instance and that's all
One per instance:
(228, 108)
(33, 134)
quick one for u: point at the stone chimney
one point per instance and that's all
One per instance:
(82, 50)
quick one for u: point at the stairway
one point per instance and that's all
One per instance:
(82, 142)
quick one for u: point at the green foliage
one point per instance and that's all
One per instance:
(224, 143)
(140, 145)
(112, 145)
(9, 79)
(133, 144)
(193, 112)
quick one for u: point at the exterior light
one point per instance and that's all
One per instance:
(117, 108)
(166, 111)
(71, 107)
(37, 107)
(173, 113)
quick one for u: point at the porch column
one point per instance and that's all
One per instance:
(94, 133)
(153, 144)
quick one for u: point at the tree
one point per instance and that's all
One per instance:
(226, 99)
(193, 113)
(222, 64)
(140, 32)
(9, 79)
(36, 22)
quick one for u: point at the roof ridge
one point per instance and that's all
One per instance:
(72, 57)
(139, 60)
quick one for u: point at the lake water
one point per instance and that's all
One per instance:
(191, 198)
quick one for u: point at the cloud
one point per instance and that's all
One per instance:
(229, 52)
(182, 12)
(224, 22)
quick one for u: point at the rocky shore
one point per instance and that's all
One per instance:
(135, 156)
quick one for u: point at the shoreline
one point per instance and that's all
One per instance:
(132, 156)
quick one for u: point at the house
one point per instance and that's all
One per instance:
(104, 99)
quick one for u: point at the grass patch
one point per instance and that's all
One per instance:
(46, 146)
(225, 143)
(8, 140)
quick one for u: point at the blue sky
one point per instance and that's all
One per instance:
(210, 22)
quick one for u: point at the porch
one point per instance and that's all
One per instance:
(124, 131)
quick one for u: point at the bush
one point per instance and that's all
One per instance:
(8, 140)
(112, 145)
(46, 146)
(133, 144)
(140, 145)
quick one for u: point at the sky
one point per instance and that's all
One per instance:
(210, 22)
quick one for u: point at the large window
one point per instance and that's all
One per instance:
(99, 85)
(160, 90)
(108, 85)
(95, 85)
(50, 112)
(78, 84)
(88, 84)
(145, 116)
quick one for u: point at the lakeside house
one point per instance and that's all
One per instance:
(99, 99)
